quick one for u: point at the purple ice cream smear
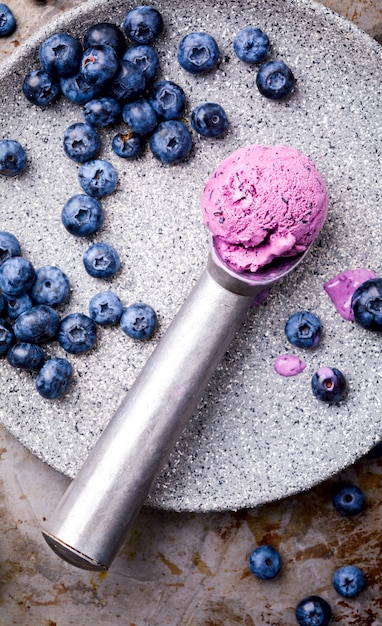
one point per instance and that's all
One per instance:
(340, 289)
(289, 365)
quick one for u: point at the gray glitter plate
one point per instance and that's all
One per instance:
(256, 436)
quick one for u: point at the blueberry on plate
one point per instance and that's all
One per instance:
(13, 160)
(143, 24)
(313, 611)
(129, 82)
(82, 215)
(60, 54)
(102, 112)
(9, 246)
(145, 58)
(105, 308)
(167, 99)
(129, 145)
(81, 142)
(101, 260)
(105, 33)
(348, 499)
(99, 65)
(50, 286)
(26, 356)
(275, 80)
(348, 581)
(77, 90)
(54, 378)
(7, 337)
(303, 329)
(7, 21)
(264, 562)
(198, 52)
(140, 116)
(329, 384)
(209, 119)
(98, 178)
(37, 325)
(251, 45)
(16, 276)
(41, 88)
(139, 321)
(366, 304)
(77, 333)
(171, 142)
(18, 304)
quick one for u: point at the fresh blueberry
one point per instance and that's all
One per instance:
(139, 321)
(77, 333)
(105, 308)
(9, 246)
(81, 142)
(13, 159)
(38, 325)
(143, 24)
(7, 21)
(348, 581)
(251, 45)
(198, 52)
(7, 337)
(82, 215)
(128, 145)
(16, 276)
(27, 356)
(60, 54)
(101, 260)
(105, 33)
(50, 286)
(171, 142)
(17, 305)
(129, 82)
(77, 90)
(313, 611)
(348, 499)
(366, 304)
(303, 329)
(265, 562)
(145, 58)
(41, 88)
(98, 178)
(209, 119)
(167, 99)
(99, 65)
(54, 378)
(329, 384)
(102, 112)
(140, 116)
(275, 80)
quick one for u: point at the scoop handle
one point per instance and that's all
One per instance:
(102, 501)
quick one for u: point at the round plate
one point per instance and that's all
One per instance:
(255, 436)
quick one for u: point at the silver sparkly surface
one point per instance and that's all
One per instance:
(256, 436)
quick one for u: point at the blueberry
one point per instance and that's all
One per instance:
(366, 304)
(313, 611)
(348, 500)
(105, 33)
(16, 276)
(13, 159)
(98, 178)
(41, 88)
(102, 112)
(82, 215)
(38, 325)
(99, 65)
(77, 333)
(51, 286)
(145, 58)
(251, 45)
(348, 581)
(275, 80)
(81, 142)
(17, 305)
(60, 54)
(7, 337)
(101, 260)
(209, 119)
(329, 384)
(265, 562)
(167, 99)
(129, 82)
(198, 52)
(140, 116)
(105, 308)
(9, 246)
(77, 90)
(139, 321)
(7, 21)
(303, 329)
(128, 145)
(171, 142)
(26, 356)
(54, 378)
(143, 24)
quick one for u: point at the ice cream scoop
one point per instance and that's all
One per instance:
(109, 490)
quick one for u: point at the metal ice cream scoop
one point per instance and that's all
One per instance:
(101, 503)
